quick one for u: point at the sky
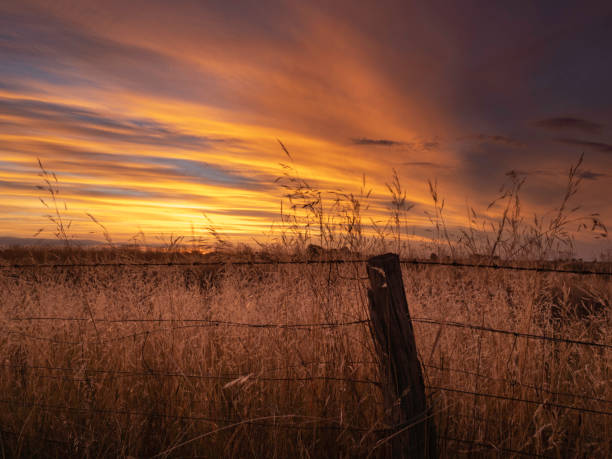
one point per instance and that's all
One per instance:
(154, 113)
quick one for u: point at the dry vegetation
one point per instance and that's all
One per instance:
(159, 360)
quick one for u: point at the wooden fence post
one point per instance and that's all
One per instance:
(413, 434)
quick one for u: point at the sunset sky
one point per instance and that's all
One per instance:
(152, 113)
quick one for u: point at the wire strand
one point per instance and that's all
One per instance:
(199, 323)
(511, 333)
(334, 424)
(226, 377)
(541, 269)
(513, 382)
(522, 400)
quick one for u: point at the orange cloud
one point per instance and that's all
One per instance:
(152, 118)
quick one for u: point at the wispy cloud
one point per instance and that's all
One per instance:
(487, 138)
(376, 142)
(77, 120)
(426, 164)
(565, 123)
(596, 146)
(534, 172)
(416, 145)
(590, 175)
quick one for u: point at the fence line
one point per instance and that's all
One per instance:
(256, 422)
(210, 322)
(522, 400)
(447, 438)
(512, 333)
(335, 424)
(145, 334)
(339, 426)
(226, 377)
(201, 323)
(180, 264)
(489, 446)
(255, 376)
(541, 269)
(513, 382)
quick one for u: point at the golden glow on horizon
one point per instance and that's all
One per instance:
(178, 202)
(149, 126)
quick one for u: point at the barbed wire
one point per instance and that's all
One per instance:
(522, 400)
(200, 323)
(209, 322)
(513, 383)
(511, 333)
(222, 420)
(256, 376)
(334, 424)
(63, 408)
(457, 264)
(480, 444)
(193, 324)
(489, 445)
(180, 264)
(540, 269)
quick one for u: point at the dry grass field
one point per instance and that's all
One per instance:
(277, 360)
(144, 361)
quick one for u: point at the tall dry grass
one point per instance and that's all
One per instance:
(179, 388)
(158, 361)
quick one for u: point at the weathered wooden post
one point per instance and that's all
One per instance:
(413, 433)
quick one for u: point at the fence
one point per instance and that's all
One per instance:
(414, 262)
(407, 427)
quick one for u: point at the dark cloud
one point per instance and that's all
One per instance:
(501, 139)
(587, 175)
(597, 146)
(590, 175)
(376, 142)
(416, 145)
(425, 164)
(565, 123)
(430, 145)
(534, 172)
